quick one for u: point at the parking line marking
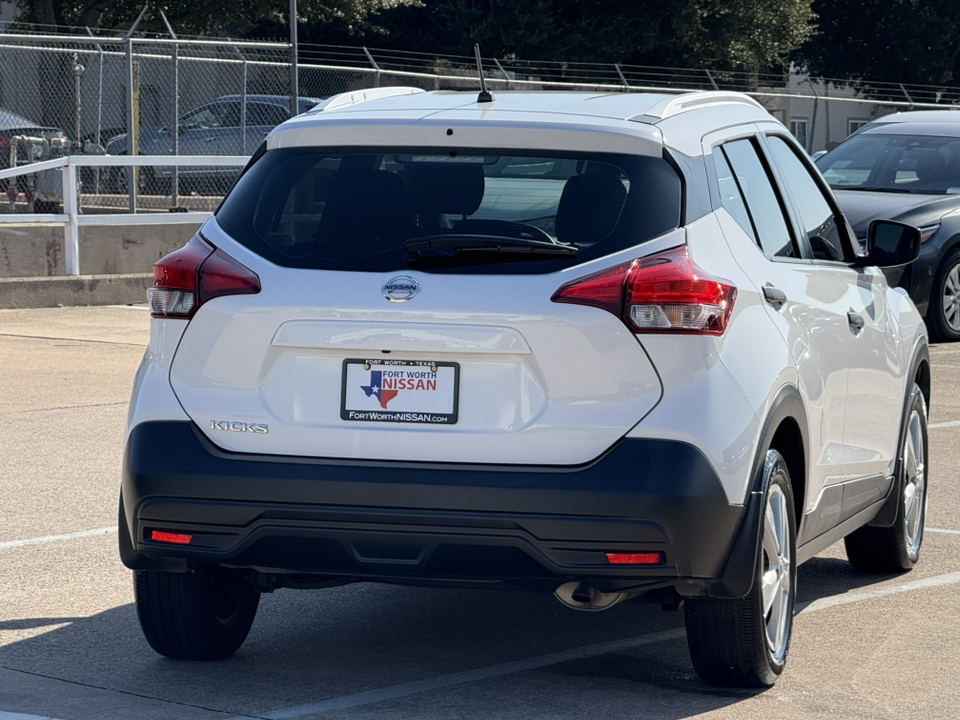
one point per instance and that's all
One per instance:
(394, 692)
(76, 340)
(18, 716)
(56, 538)
(942, 532)
(875, 593)
(952, 423)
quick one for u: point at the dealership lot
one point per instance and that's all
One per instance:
(70, 647)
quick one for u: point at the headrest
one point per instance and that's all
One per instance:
(931, 166)
(589, 208)
(372, 203)
(451, 188)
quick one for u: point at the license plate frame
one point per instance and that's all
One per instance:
(360, 403)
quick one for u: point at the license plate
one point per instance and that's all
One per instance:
(400, 391)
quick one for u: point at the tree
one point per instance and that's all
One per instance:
(199, 17)
(897, 41)
(749, 35)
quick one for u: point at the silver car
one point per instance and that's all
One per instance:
(225, 126)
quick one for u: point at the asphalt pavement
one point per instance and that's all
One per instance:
(864, 646)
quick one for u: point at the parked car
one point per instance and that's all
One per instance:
(906, 167)
(12, 125)
(606, 346)
(221, 127)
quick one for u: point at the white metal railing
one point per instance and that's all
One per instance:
(71, 219)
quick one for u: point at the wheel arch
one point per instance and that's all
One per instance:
(783, 430)
(920, 375)
(927, 291)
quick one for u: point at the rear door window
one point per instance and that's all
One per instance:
(769, 221)
(813, 210)
(451, 212)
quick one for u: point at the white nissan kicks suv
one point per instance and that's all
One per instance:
(601, 345)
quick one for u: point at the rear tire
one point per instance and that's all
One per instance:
(897, 548)
(943, 312)
(744, 643)
(204, 614)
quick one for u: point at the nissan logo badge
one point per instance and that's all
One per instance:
(400, 289)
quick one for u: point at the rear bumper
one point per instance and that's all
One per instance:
(428, 522)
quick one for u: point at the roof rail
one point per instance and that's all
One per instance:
(359, 96)
(693, 100)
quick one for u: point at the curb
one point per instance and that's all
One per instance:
(39, 292)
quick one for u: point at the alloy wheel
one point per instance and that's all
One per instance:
(914, 483)
(776, 573)
(951, 298)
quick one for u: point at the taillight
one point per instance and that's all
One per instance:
(665, 292)
(194, 274)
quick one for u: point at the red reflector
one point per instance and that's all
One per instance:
(169, 537)
(644, 558)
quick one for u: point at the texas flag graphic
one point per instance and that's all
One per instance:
(375, 388)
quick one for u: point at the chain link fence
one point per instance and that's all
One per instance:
(156, 95)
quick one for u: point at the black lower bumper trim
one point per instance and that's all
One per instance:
(429, 521)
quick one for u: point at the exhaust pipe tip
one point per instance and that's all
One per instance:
(583, 593)
(580, 596)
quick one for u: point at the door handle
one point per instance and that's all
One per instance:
(855, 320)
(774, 296)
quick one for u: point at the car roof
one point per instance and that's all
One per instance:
(944, 129)
(9, 120)
(920, 116)
(408, 116)
(272, 99)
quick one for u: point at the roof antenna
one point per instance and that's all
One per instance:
(484, 96)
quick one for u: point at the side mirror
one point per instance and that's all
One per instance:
(892, 243)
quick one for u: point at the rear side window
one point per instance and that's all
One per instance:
(730, 196)
(452, 212)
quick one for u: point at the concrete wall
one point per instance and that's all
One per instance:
(37, 250)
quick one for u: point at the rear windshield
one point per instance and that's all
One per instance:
(480, 211)
(926, 165)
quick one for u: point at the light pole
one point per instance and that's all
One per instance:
(294, 81)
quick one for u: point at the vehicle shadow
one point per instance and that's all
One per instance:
(310, 646)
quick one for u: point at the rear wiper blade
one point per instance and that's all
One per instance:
(466, 242)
